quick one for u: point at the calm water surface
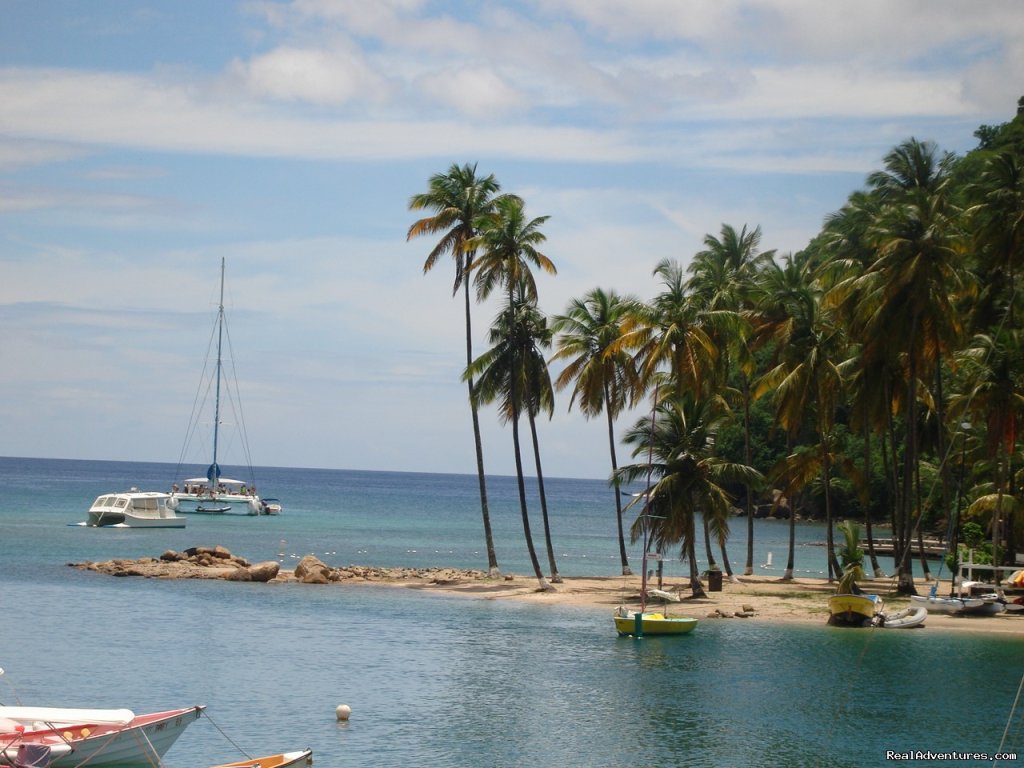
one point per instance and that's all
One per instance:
(451, 681)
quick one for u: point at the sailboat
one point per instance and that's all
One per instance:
(215, 494)
(643, 622)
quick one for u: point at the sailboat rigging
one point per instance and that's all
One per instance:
(214, 493)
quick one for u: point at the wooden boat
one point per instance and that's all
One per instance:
(849, 609)
(640, 623)
(913, 616)
(97, 738)
(282, 760)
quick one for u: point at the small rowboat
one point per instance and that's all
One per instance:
(283, 760)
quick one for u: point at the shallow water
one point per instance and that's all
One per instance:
(450, 681)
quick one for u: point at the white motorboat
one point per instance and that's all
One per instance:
(133, 509)
(99, 738)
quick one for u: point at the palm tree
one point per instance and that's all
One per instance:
(676, 446)
(912, 286)
(674, 331)
(807, 377)
(458, 199)
(508, 244)
(591, 338)
(520, 345)
(723, 277)
(993, 371)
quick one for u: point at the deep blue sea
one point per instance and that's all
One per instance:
(444, 681)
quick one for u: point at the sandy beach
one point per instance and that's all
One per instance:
(767, 598)
(746, 598)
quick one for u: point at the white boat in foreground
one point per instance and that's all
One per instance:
(133, 509)
(96, 738)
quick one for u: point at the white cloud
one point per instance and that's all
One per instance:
(334, 77)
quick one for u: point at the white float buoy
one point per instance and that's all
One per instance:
(344, 711)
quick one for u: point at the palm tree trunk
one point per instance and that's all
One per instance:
(749, 569)
(696, 588)
(875, 568)
(555, 577)
(707, 542)
(492, 557)
(520, 480)
(788, 573)
(905, 574)
(618, 492)
(833, 563)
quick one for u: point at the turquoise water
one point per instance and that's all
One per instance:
(445, 681)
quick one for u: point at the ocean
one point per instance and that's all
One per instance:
(450, 681)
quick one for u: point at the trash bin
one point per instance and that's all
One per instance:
(714, 580)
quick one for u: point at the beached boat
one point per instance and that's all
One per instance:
(100, 738)
(907, 618)
(949, 605)
(283, 760)
(851, 609)
(215, 494)
(133, 509)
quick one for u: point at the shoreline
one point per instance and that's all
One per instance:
(759, 598)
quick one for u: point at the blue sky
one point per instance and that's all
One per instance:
(141, 142)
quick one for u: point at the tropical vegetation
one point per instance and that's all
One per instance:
(877, 375)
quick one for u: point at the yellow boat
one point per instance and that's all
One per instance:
(640, 623)
(283, 760)
(853, 610)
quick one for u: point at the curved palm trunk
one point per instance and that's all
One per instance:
(618, 492)
(522, 502)
(707, 542)
(492, 557)
(514, 400)
(555, 577)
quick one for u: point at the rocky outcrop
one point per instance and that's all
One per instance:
(219, 563)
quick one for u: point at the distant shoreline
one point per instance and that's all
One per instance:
(754, 598)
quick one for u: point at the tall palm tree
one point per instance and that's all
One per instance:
(913, 286)
(676, 448)
(509, 244)
(591, 340)
(780, 291)
(458, 199)
(723, 277)
(521, 345)
(807, 379)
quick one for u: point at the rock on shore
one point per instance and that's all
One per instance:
(219, 563)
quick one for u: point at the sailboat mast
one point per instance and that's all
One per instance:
(216, 408)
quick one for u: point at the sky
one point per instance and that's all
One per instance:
(141, 142)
